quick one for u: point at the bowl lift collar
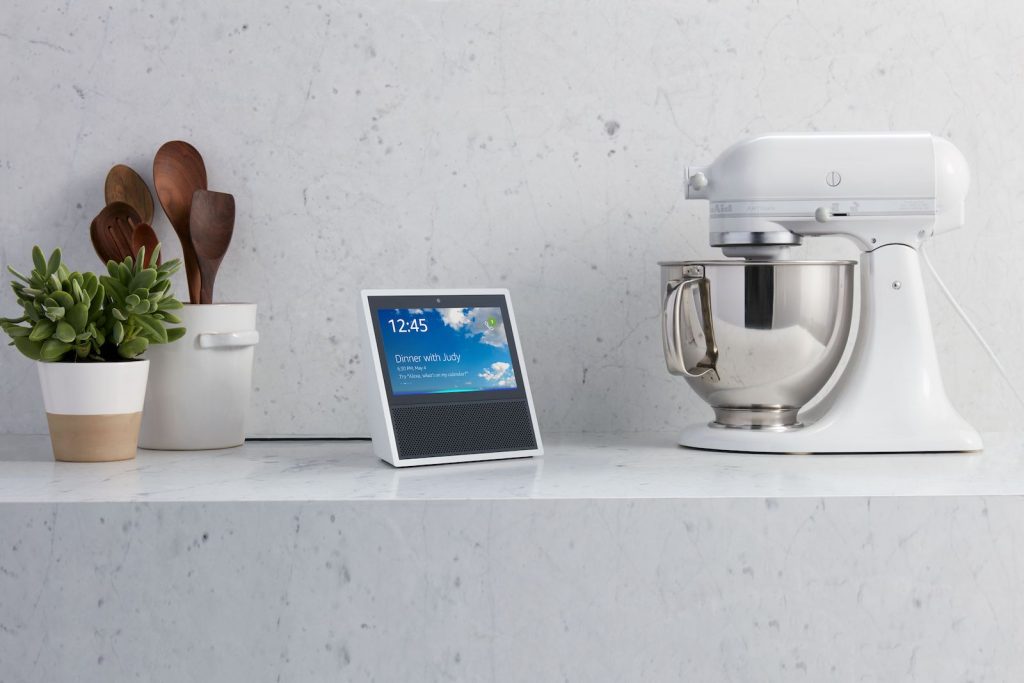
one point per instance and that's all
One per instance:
(888, 193)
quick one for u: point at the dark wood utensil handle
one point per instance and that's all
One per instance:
(192, 274)
(206, 290)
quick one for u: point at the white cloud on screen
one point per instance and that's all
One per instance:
(454, 318)
(475, 319)
(416, 311)
(496, 373)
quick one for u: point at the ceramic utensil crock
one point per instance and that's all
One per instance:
(199, 391)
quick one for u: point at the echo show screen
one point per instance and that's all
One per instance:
(446, 350)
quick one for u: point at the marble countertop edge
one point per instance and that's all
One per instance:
(640, 466)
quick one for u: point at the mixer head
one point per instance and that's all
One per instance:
(767, 193)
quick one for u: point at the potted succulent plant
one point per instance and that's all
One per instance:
(85, 332)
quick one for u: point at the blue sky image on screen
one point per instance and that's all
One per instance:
(446, 350)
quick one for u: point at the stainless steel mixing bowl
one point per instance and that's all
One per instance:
(756, 339)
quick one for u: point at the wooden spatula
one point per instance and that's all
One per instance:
(212, 222)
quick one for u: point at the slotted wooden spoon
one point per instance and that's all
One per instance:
(111, 231)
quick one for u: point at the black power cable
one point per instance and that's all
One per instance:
(307, 438)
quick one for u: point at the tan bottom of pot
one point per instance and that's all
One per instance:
(94, 438)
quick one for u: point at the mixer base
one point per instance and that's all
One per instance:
(831, 436)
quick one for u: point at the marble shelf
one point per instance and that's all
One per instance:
(578, 467)
(614, 557)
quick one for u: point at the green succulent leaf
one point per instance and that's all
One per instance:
(175, 333)
(78, 316)
(117, 332)
(153, 329)
(18, 275)
(42, 331)
(96, 305)
(115, 288)
(170, 318)
(65, 332)
(171, 305)
(144, 279)
(53, 350)
(63, 299)
(54, 313)
(54, 263)
(16, 331)
(132, 348)
(28, 347)
(39, 261)
(91, 284)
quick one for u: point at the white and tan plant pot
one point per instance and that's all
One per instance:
(94, 409)
(199, 387)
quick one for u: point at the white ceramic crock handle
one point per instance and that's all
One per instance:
(228, 340)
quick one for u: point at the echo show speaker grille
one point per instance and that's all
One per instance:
(429, 431)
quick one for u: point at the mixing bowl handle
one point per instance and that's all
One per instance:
(672, 328)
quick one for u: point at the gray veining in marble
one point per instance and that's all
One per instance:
(533, 145)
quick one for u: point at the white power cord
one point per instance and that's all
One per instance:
(967, 321)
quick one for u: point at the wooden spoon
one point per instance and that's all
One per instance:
(125, 185)
(111, 231)
(143, 236)
(213, 222)
(178, 171)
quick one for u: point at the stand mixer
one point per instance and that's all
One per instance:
(759, 335)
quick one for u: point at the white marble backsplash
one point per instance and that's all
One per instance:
(533, 145)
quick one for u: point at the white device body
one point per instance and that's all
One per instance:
(382, 430)
(896, 190)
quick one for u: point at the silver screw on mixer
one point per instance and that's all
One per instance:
(896, 284)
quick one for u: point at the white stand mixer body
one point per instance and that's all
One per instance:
(887, 192)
